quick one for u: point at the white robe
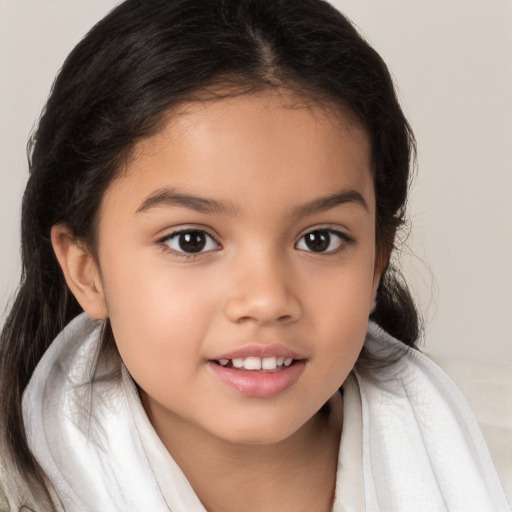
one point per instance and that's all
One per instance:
(409, 441)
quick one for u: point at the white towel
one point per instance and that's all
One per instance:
(422, 449)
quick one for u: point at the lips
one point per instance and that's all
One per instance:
(258, 371)
(261, 351)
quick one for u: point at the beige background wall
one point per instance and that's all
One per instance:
(452, 60)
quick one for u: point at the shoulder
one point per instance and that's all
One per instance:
(487, 388)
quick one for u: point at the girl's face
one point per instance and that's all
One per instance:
(242, 234)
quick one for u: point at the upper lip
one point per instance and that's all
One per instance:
(261, 351)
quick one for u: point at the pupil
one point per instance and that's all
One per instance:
(318, 241)
(193, 241)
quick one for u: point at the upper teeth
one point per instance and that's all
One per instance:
(258, 363)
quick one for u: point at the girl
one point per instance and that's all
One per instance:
(207, 314)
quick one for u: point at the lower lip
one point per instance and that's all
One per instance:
(258, 384)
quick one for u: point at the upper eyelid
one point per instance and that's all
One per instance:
(330, 228)
(187, 229)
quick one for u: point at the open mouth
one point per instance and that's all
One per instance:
(260, 377)
(268, 364)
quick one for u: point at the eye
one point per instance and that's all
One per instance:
(322, 241)
(191, 241)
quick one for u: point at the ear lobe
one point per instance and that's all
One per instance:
(80, 271)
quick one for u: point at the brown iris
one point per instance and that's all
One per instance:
(192, 241)
(318, 241)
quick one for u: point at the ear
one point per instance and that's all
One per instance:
(375, 286)
(80, 271)
(382, 258)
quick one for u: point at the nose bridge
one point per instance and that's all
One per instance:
(263, 288)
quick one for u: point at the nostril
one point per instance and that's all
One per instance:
(263, 307)
(280, 319)
(243, 319)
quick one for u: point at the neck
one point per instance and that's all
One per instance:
(297, 473)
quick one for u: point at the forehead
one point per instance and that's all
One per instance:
(259, 149)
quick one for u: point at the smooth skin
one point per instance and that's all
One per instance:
(255, 181)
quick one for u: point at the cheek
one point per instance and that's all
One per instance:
(148, 292)
(157, 318)
(341, 296)
(339, 304)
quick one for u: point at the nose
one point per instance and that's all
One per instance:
(263, 293)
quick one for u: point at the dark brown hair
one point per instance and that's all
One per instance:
(114, 88)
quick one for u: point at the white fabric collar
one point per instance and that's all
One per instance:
(421, 447)
(180, 496)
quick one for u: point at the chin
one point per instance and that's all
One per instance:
(252, 438)
(254, 431)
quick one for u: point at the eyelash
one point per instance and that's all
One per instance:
(344, 240)
(164, 242)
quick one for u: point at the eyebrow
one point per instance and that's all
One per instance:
(331, 201)
(171, 197)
